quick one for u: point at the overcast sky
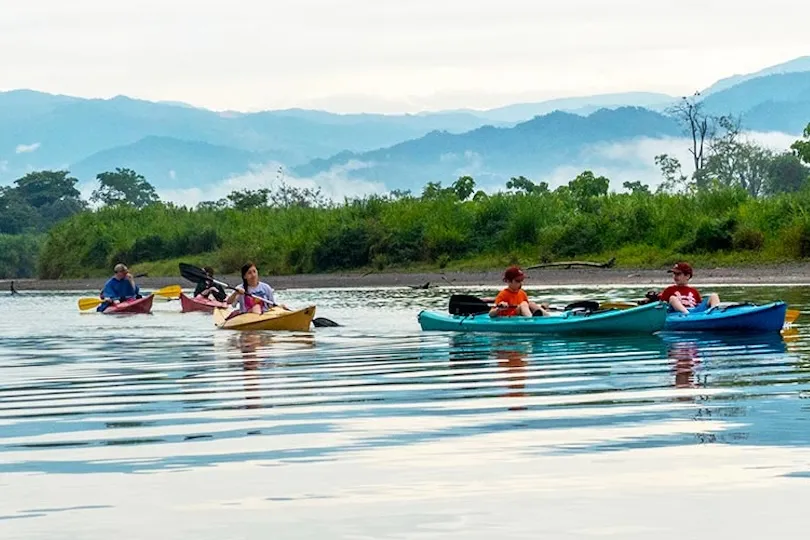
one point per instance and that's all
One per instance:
(387, 55)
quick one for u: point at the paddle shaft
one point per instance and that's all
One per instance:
(223, 284)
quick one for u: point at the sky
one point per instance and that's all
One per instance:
(384, 55)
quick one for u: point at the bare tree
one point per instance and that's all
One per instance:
(698, 125)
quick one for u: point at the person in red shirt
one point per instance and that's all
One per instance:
(513, 299)
(681, 297)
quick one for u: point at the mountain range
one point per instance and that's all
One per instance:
(178, 146)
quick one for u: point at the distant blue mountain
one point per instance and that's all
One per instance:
(492, 154)
(172, 163)
(175, 145)
(520, 112)
(796, 65)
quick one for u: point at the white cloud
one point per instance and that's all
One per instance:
(335, 184)
(635, 160)
(361, 55)
(25, 148)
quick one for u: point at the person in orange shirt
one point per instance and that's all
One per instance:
(513, 300)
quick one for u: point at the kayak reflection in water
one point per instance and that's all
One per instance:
(254, 287)
(207, 289)
(118, 288)
(513, 300)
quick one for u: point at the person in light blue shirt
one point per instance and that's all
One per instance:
(118, 288)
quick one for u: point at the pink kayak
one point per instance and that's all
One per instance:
(140, 305)
(199, 303)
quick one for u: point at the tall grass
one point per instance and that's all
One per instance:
(439, 231)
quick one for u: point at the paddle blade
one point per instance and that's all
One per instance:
(465, 304)
(171, 291)
(89, 303)
(585, 305)
(193, 273)
(791, 315)
(198, 275)
(323, 322)
(617, 305)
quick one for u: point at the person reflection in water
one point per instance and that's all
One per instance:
(685, 355)
(512, 357)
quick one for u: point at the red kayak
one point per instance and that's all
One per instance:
(199, 303)
(140, 305)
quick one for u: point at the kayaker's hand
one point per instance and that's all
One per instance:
(503, 305)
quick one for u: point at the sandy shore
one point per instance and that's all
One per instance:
(794, 274)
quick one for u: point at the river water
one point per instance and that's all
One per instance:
(161, 426)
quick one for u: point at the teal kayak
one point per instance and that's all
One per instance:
(734, 318)
(645, 319)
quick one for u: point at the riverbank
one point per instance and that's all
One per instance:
(789, 274)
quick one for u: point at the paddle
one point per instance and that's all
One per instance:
(170, 291)
(465, 304)
(587, 305)
(197, 275)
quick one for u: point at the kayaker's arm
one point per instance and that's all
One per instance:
(234, 295)
(495, 311)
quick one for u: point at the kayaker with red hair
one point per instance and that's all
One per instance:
(513, 300)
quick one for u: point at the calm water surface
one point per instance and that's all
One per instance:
(160, 426)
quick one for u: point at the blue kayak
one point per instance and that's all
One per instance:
(734, 318)
(645, 319)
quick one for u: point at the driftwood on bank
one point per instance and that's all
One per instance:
(570, 264)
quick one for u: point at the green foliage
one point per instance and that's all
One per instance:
(712, 234)
(587, 185)
(18, 255)
(43, 188)
(444, 227)
(247, 199)
(749, 239)
(802, 146)
(786, 174)
(37, 201)
(521, 184)
(636, 187)
(123, 187)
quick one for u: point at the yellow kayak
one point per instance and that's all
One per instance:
(275, 318)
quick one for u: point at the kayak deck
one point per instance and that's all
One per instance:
(646, 319)
(276, 318)
(735, 318)
(134, 306)
(199, 303)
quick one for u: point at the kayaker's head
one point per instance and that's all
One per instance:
(513, 277)
(121, 271)
(208, 270)
(250, 275)
(681, 273)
